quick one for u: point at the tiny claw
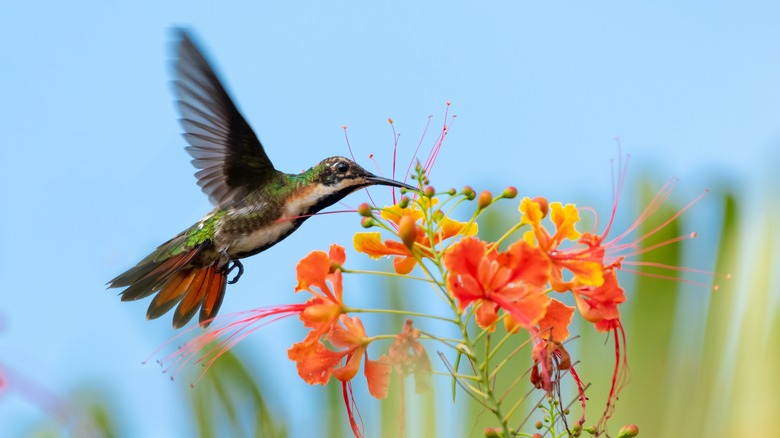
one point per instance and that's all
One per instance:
(236, 264)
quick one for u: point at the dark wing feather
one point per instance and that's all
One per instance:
(222, 143)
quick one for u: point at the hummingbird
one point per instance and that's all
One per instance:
(256, 205)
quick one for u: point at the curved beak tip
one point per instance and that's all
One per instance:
(378, 180)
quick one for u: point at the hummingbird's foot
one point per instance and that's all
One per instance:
(236, 264)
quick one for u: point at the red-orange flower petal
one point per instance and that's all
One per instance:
(378, 376)
(555, 324)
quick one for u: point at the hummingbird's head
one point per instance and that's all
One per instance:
(342, 175)
(330, 181)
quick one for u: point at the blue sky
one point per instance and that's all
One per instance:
(93, 174)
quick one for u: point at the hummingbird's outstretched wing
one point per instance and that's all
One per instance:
(222, 144)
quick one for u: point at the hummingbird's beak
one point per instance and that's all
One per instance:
(378, 180)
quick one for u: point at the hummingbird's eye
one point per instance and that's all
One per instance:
(342, 167)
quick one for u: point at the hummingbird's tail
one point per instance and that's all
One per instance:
(176, 281)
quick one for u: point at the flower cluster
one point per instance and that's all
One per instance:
(520, 282)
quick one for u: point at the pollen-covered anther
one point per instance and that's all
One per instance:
(469, 193)
(407, 230)
(390, 121)
(485, 198)
(344, 127)
(364, 210)
(429, 191)
(693, 235)
(543, 205)
(367, 222)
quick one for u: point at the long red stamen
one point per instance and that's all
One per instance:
(580, 391)
(349, 146)
(229, 335)
(352, 409)
(649, 210)
(417, 149)
(437, 146)
(620, 375)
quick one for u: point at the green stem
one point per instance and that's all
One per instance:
(459, 376)
(385, 274)
(398, 312)
(509, 232)
(510, 356)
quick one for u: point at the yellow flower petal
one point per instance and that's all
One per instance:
(564, 218)
(370, 243)
(532, 212)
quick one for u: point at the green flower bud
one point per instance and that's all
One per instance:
(367, 222)
(364, 210)
(469, 193)
(509, 192)
(403, 202)
(429, 191)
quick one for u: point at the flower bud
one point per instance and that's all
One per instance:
(491, 433)
(543, 205)
(509, 192)
(536, 435)
(452, 191)
(628, 431)
(403, 202)
(538, 425)
(485, 198)
(367, 222)
(429, 191)
(364, 210)
(438, 215)
(469, 193)
(407, 229)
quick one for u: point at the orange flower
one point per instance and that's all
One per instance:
(599, 304)
(404, 260)
(585, 265)
(514, 280)
(555, 324)
(548, 351)
(317, 363)
(409, 356)
(317, 273)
